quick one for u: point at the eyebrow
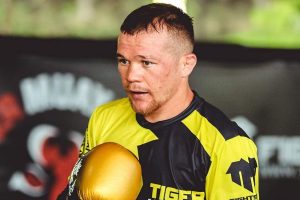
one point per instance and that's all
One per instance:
(120, 55)
(144, 57)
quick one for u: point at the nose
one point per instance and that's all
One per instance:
(134, 73)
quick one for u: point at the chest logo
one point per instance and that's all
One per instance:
(162, 192)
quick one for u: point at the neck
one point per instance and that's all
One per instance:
(172, 107)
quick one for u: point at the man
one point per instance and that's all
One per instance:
(187, 148)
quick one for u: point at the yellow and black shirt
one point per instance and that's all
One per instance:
(199, 154)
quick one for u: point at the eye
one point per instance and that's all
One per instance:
(123, 61)
(147, 63)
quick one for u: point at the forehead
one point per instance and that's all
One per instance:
(144, 39)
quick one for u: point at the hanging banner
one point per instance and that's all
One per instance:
(44, 109)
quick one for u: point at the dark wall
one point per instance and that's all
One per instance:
(49, 87)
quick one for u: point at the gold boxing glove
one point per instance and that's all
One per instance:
(109, 172)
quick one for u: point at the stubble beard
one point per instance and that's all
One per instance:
(147, 110)
(152, 106)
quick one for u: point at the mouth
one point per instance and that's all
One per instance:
(136, 94)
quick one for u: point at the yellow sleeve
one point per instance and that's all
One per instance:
(98, 125)
(89, 140)
(233, 173)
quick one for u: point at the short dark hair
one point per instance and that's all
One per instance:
(158, 15)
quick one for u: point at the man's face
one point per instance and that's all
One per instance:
(149, 66)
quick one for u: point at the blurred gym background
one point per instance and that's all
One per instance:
(57, 63)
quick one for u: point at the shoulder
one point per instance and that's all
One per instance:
(113, 109)
(216, 118)
(119, 104)
(214, 129)
(223, 138)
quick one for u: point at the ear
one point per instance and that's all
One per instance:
(189, 61)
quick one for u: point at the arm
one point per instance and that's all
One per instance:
(233, 172)
(86, 146)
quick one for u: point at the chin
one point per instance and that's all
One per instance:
(144, 109)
